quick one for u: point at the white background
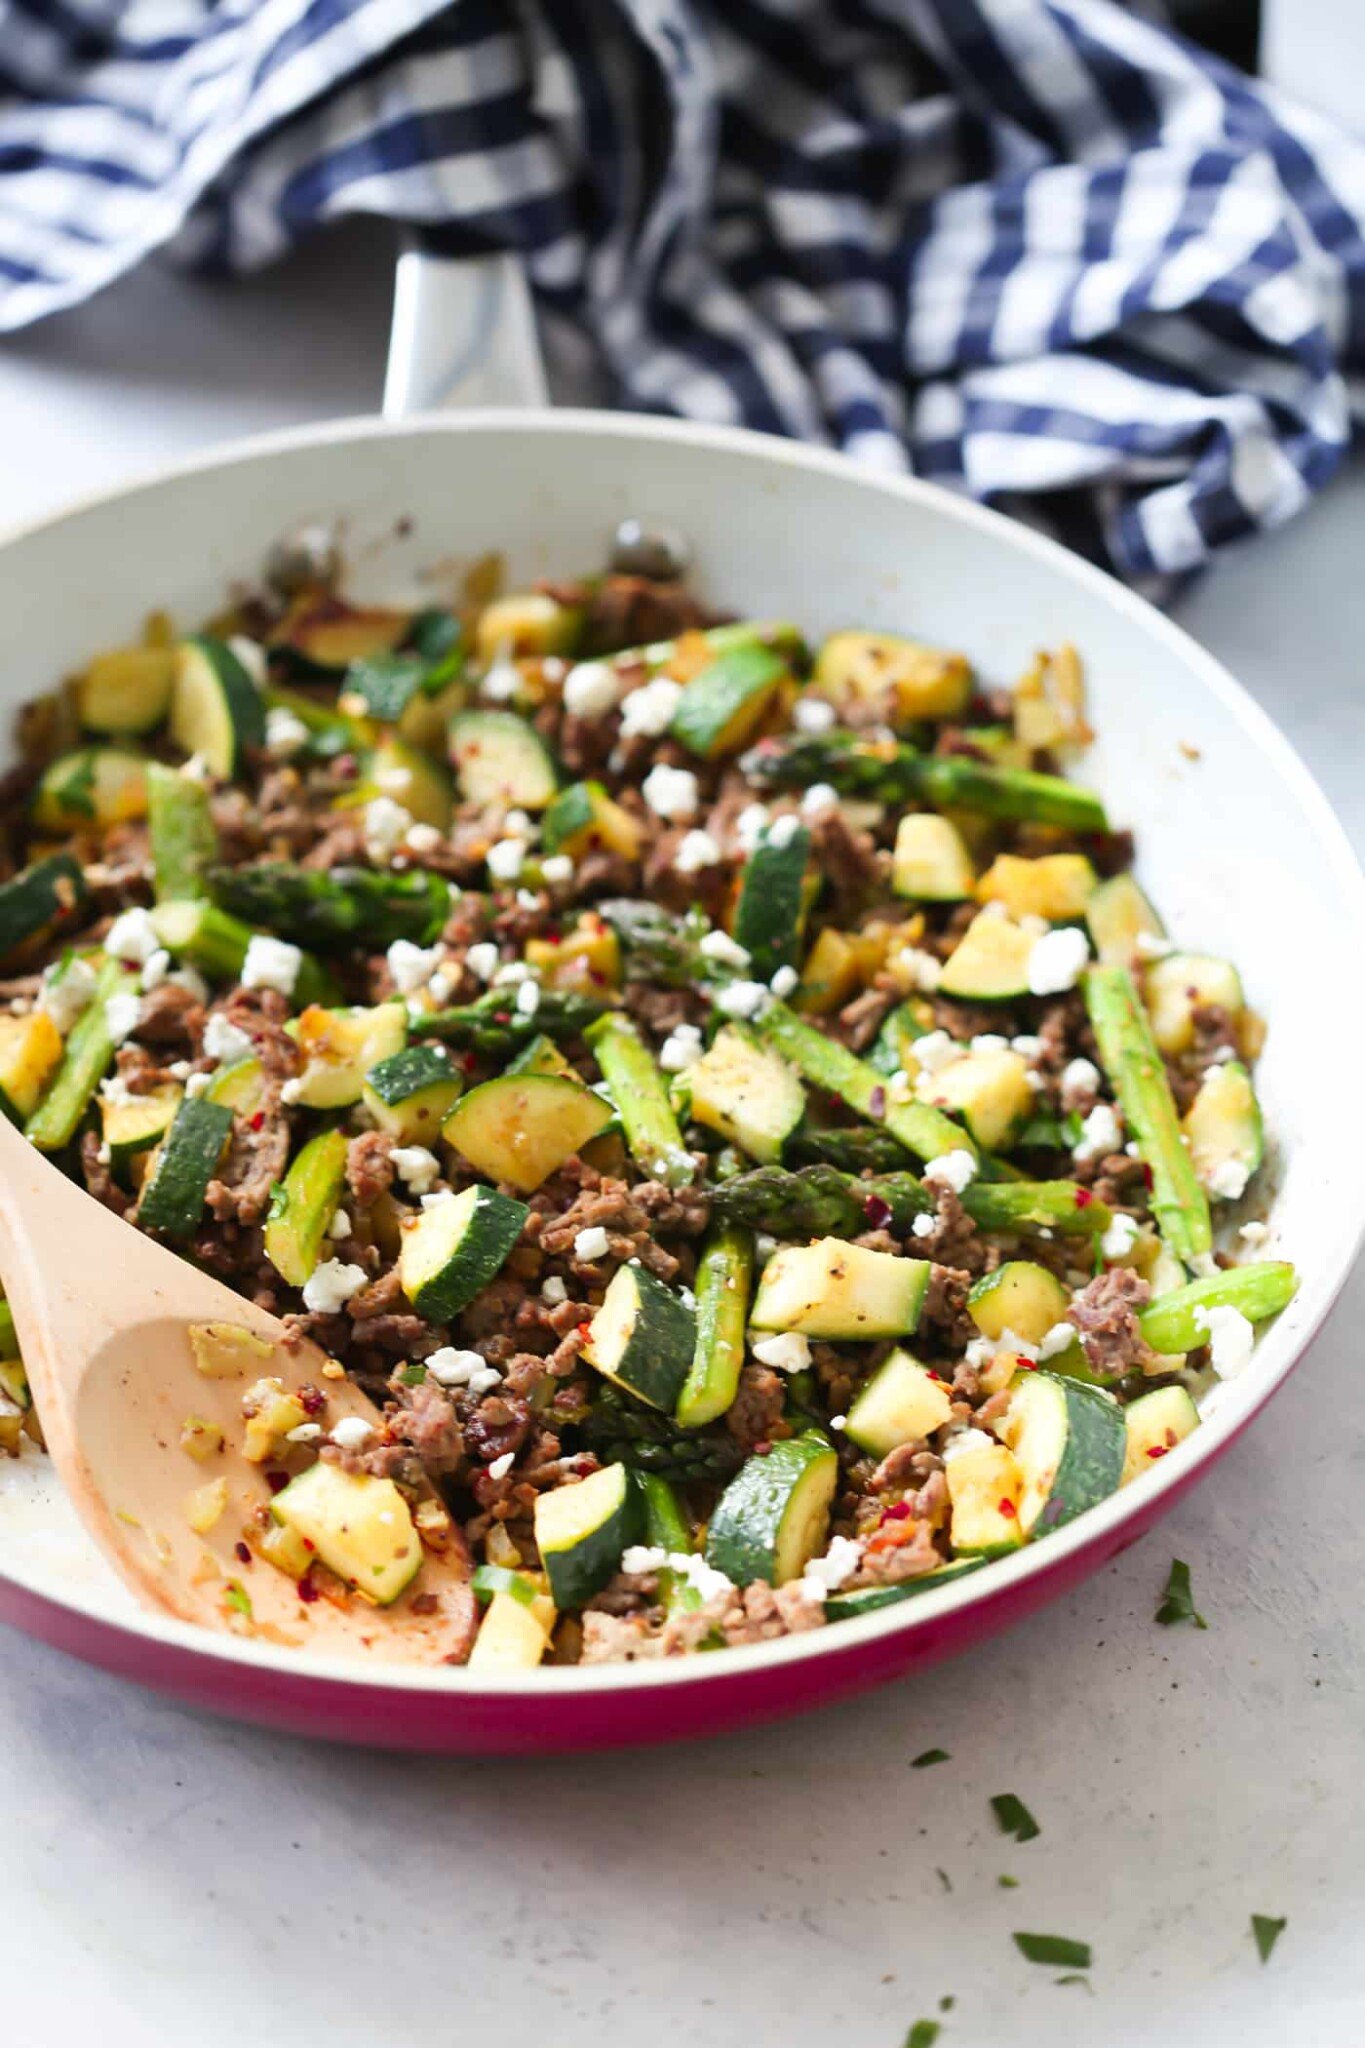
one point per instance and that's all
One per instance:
(167, 1878)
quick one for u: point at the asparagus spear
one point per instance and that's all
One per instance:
(211, 939)
(88, 1056)
(724, 1277)
(640, 1095)
(1129, 1057)
(889, 771)
(864, 1150)
(493, 1026)
(659, 947)
(922, 1129)
(618, 1429)
(184, 840)
(817, 1201)
(1172, 1323)
(334, 911)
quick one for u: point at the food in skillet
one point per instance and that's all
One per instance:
(735, 1109)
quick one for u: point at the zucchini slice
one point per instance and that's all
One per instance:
(131, 1128)
(985, 1488)
(340, 1047)
(1153, 1425)
(721, 706)
(988, 1090)
(1057, 886)
(582, 1531)
(911, 681)
(39, 903)
(127, 690)
(1069, 1442)
(94, 787)
(499, 759)
(931, 863)
(409, 776)
(902, 1402)
(587, 959)
(172, 1199)
(1174, 988)
(583, 816)
(514, 1633)
(325, 632)
(747, 1092)
(1018, 1296)
(180, 825)
(527, 622)
(989, 964)
(30, 1054)
(1224, 1132)
(773, 899)
(542, 1056)
(893, 1050)
(411, 1093)
(360, 1526)
(451, 1251)
(725, 1272)
(642, 1338)
(303, 1205)
(241, 1086)
(867, 1599)
(521, 1128)
(1118, 915)
(216, 709)
(841, 1291)
(773, 1517)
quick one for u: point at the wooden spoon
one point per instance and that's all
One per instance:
(104, 1318)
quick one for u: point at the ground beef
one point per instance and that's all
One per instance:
(662, 1010)
(954, 1239)
(257, 1156)
(618, 1639)
(262, 1013)
(1064, 1030)
(755, 1416)
(912, 1555)
(171, 1016)
(966, 1020)
(629, 611)
(1106, 1315)
(848, 859)
(98, 1177)
(944, 1325)
(369, 1167)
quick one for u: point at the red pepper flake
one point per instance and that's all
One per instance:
(258, 1120)
(307, 1592)
(469, 1062)
(1083, 1198)
(554, 935)
(1008, 1510)
(311, 1400)
(900, 1512)
(1157, 1450)
(1146, 1176)
(877, 1211)
(935, 1375)
(585, 1330)
(762, 1450)
(502, 1016)
(277, 1481)
(596, 977)
(241, 1553)
(345, 765)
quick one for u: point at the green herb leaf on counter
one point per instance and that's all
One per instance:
(1008, 1884)
(1056, 1950)
(1078, 1977)
(1265, 1932)
(923, 2034)
(1177, 1602)
(944, 1879)
(927, 1757)
(1013, 1817)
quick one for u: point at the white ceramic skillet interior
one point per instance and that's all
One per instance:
(1236, 844)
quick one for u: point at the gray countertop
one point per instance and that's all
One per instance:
(166, 1877)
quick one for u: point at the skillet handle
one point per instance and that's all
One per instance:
(463, 334)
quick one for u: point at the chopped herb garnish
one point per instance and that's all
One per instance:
(237, 1597)
(1008, 1884)
(1078, 1977)
(1178, 1601)
(923, 2034)
(1265, 1933)
(944, 1879)
(412, 1375)
(1014, 1818)
(947, 2002)
(1057, 1950)
(927, 1757)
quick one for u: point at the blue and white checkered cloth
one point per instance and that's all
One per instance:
(1042, 251)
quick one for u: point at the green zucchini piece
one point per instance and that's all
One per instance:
(336, 911)
(642, 1338)
(172, 1199)
(1069, 1443)
(340, 1047)
(773, 1517)
(1224, 1133)
(827, 1065)
(582, 1531)
(1055, 886)
(30, 1054)
(989, 1091)
(640, 1097)
(583, 816)
(9, 1342)
(89, 789)
(241, 1086)
(985, 1487)
(859, 1600)
(773, 899)
(409, 776)
(216, 709)
(747, 1091)
(127, 690)
(40, 903)
(1018, 1296)
(202, 936)
(725, 1272)
(521, 1128)
(778, 634)
(1173, 1322)
(451, 1251)
(133, 1127)
(989, 964)
(360, 1527)
(1153, 1425)
(907, 679)
(931, 863)
(1174, 988)
(302, 1206)
(666, 1527)
(841, 1291)
(720, 707)
(542, 1056)
(515, 1631)
(893, 1049)
(88, 1056)
(184, 839)
(1119, 915)
(902, 1402)
(527, 622)
(499, 759)
(411, 1093)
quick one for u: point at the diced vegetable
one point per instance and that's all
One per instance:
(640, 1096)
(131, 1128)
(583, 816)
(1021, 1297)
(451, 1251)
(721, 707)
(303, 1205)
(527, 622)
(931, 863)
(724, 1278)
(990, 961)
(241, 1086)
(588, 958)
(360, 1526)
(988, 1090)
(841, 1291)
(747, 1092)
(521, 1128)
(411, 1093)
(773, 899)
(1119, 915)
(91, 789)
(582, 1531)
(514, 1634)
(500, 759)
(340, 1047)
(1174, 988)
(1053, 885)
(88, 1056)
(911, 681)
(127, 690)
(172, 1200)
(773, 1517)
(38, 904)
(216, 709)
(30, 1053)
(184, 840)
(642, 1338)
(1153, 1425)
(409, 777)
(902, 1402)
(985, 1487)
(1069, 1442)
(1223, 1130)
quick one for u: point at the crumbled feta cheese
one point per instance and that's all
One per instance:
(330, 1286)
(681, 1047)
(290, 1090)
(422, 838)
(386, 825)
(482, 960)
(528, 999)
(1056, 1340)
(453, 1368)
(417, 1168)
(1120, 1237)
(557, 868)
(750, 826)
(115, 1091)
(1254, 1234)
(198, 1084)
(513, 974)
(192, 981)
(703, 1578)
(671, 792)
(1132, 1150)
(1204, 1266)
(251, 655)
(500, 682)
(783, 982)
(990, 1041)
(935, 1050)
(179, 1070)
(1228, 1179)
(696, 850)
(924, 1225)
(121, 1013)
(813, 714)
(553, 1291)
(1056, 960)
(1080, 1081)
(592, 689)
(66, 993)
(591, 1243)
(1151, 946)
(224, 1041)
(953, 1170)
(304, 1433)
(285, 733)
(824, 1575)
(838, 1422)
(352, 1432)
(921, 969)
(783, 830)
(500, 1467)
(411, 966)
(966, 1440)
(506, 858)
(821, 796)
(741, 998)
(132, 938)
(789, 1351)
(339, 1227)
(725, 951)
(271, 963)
(1100, 1133)
(196, 769)
(1232, 1338)
(643, 1557)
(1026, 1045)
(155, 971)
(528, 899)
(764, 1247)
(649, 710)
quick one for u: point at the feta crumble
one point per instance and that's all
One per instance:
(553, 1291)
(643, 1557)
(1254, 1234)
(1056, 960)
(528, 999)
(450, 1367)
(682, 1046)
(813, 714)
(251, 655)
(500, 682)
(1026, 1045)
(121, 1013)
(225, 1041)
(750, 826)
(591, 1243)
(1151, 946)
(422, 838)
(1055, 1341)
(953, 1170)
(1119, 1238)
(500, 1467)
(67, 993)
(921, 969)
(935, 1050)
(386, 825)
(1080, 1079)
(821, 796)
(1232, 1338)
(725, 951)
(592, 689)
(1228, 1179)
(696, 850)
(990, 1041)
(924, 1225)
(671, 792)
(285, 733)
(416, 1167)
(330, 1286)
(557, 868)
(505, 859)
(132, 938)
(271, 963)
(783, 830)
(966, 1440)
(340, 1227)
(648, 711)
(411, 966)
(155, 970)
(825, 1575)
(352, 1432)
(783, 982)
(1100, 1133)
(190, 979)
(482, 960)
(741, 998)
(788, 1351)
